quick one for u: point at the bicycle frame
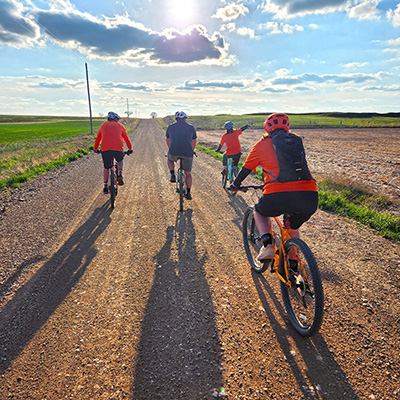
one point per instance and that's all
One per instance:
(230, 169)
(181, 184)
(280, 253)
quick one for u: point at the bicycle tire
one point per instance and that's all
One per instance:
(252, 242)
(112, 189)
(224, 179)
(181, 189)
(304, 303)
(234, 174)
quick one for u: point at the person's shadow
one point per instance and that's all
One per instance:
(324, 378)
(179, 353)
(35, 302)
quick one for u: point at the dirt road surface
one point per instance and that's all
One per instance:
(145, 302)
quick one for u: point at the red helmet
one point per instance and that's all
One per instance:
(277, 121)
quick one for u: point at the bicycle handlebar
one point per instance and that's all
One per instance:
(246, 188)
(128, 152)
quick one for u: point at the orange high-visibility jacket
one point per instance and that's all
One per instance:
(111, 135)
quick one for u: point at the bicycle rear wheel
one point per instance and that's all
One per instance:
(113, 191)
(182, 189)
(304, 301)
(252, 242)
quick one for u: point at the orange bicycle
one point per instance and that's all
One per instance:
(301, 284)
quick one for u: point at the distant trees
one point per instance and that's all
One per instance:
(153, 115)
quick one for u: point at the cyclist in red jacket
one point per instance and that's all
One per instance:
(233, 149)
(112, 135)
(298, 198)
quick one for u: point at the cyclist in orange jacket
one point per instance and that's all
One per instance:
(298, 198)
(112, 135)
(233, 149)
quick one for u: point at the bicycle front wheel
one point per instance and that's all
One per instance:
(224, 179)
(304, 300)
(252, 242)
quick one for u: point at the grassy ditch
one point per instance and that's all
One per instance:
(349, 200)
(18, 179)
(31, 149)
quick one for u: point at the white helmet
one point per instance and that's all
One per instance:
(180, 114)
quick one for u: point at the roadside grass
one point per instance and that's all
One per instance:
(29, 151)
(318, 120)
(348, 199)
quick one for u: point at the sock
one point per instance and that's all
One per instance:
(266, 239)
(172, 172)
(187, 190)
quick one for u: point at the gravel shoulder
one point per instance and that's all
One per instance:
(145, 302)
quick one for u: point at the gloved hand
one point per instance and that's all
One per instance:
(98, 151)
(129, 152)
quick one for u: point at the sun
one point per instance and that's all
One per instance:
(182, 11)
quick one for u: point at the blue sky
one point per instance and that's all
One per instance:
(204, 57)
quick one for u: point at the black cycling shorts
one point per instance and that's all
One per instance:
(235, 159)
(301, 205)
(109, 155)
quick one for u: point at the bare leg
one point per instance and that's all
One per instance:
(120, 166)
(171, 165)
(106, 174)
(188, 179)
(263, 223)
(294, 233)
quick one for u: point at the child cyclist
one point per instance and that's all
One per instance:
(297, 198)
(233, 149)
(112, 135)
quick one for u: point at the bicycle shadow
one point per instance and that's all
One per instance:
(179, 353)
(315, 353)
(239, 206)
(34, 303)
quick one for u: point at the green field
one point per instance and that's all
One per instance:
(50, 131)
(31, 148)
(319, 120)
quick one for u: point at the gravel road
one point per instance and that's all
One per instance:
(145, 302)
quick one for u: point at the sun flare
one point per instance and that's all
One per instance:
(182, 10)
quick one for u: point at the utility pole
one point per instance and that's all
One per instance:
(128, 113)
(90, 105)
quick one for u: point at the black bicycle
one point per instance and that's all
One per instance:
(113, 188)
(294, 265)
(230, 173)
(181, 187)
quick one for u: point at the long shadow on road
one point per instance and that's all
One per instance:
(180, 353)
(35, 302)
(324, 378)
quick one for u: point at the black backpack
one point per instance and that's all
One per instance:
(291, 157)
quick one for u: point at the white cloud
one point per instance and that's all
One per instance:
(17, 26)
(278, 27)
(355, 65)
(297, 60)
(246, 32)
(231, 11)
(242, 31)
(394, 16)
(283, 9)
(364, 10)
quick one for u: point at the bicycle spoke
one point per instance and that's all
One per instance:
(252, 242)
(304, 299)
